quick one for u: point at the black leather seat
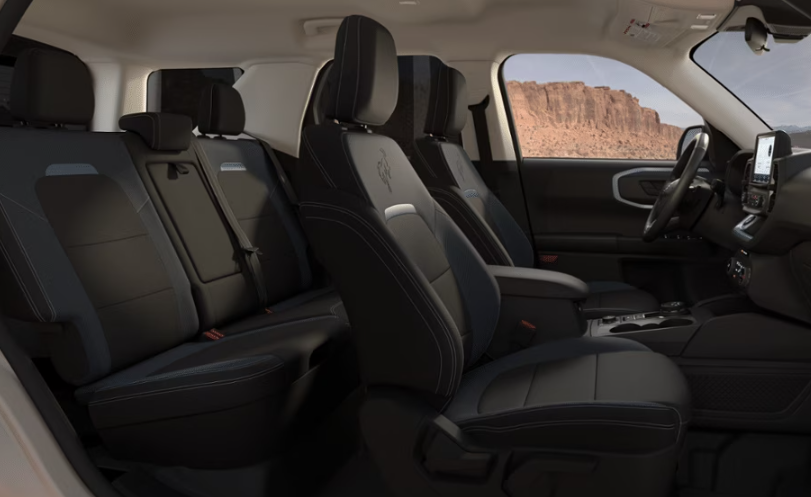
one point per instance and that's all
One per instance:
(122, 278)
(582, 416)
(454, 182)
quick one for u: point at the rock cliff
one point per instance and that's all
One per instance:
(575, 120)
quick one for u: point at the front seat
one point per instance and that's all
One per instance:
(575, 417)
(456, 185)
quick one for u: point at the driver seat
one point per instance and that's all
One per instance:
(456, 185)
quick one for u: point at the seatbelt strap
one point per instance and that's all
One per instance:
(249, 251)
(280, 172)
(485, 167)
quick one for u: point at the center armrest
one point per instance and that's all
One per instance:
(538, 283)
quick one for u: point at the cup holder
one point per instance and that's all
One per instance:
(667, 323)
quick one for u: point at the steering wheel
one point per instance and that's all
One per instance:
(676, 188)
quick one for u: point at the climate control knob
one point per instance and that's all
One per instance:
(609, 319)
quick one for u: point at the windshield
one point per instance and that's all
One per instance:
(775, 85)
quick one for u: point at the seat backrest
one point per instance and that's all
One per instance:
(454, 182)
(82, 244)
(254, 193)
(420, 299)
(163, 153)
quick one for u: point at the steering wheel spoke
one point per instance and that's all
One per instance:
(662, 216)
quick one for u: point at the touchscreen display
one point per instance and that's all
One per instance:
(763, 159)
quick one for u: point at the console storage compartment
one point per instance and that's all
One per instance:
(537, 306)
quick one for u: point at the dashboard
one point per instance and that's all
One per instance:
(773, 261)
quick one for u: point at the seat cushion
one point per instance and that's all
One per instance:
(186, 379)
(314, 304)
(612, 297)
(240, 393)
(596, 394)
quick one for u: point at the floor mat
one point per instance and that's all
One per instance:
(359, 478)
(717, 464)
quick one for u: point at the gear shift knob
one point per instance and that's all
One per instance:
(671, 308)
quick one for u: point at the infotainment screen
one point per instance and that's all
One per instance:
(764, 154)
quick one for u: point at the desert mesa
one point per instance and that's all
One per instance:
(573, 119)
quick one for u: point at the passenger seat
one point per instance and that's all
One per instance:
(447, 172)
(578, 417)
(88, 263)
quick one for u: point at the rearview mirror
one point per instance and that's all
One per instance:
(686, 138)
(756, 35)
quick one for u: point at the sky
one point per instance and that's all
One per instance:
(776, 85)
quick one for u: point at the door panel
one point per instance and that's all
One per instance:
(587, 217)
(577, 196)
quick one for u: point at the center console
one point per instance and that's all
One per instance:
(666, 331)
(539, 306)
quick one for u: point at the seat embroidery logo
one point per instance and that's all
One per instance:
(384, 170)
(459, 167)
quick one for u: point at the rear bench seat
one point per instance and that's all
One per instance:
(127, 262)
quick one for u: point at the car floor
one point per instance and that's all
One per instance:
(359, 478)
(713, 464)
(718, 464)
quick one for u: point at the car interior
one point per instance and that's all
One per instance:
(494, 248)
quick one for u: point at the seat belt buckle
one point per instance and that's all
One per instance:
(523, 334)
(213, 334)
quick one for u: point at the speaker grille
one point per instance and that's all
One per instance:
(745, 393)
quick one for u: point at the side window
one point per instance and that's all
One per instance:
(178, 91)
(582, 106)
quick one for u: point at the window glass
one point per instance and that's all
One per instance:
(774, 84)
(582, 106)
(178, 91)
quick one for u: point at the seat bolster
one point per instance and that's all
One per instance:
(472, 225)
(591, 426)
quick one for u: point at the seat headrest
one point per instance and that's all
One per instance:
(221, 111)
(51, 87)
(161, 131)
(363, 79)
(447, 106)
